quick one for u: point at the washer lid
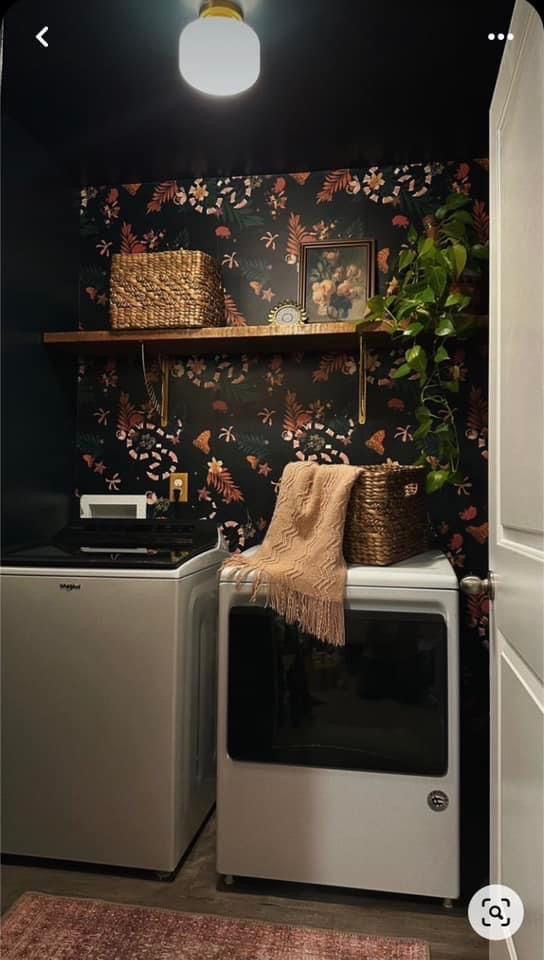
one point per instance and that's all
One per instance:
(430, 570)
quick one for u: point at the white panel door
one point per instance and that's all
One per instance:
(517, 477)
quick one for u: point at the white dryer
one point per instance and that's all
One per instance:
(109, 692)
(340, 766)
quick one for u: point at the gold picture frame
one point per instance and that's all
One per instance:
(336, 279)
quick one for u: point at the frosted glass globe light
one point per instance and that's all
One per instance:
(219, 54)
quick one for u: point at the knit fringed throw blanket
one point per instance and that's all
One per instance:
(300, 564)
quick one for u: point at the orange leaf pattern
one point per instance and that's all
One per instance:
(334, 181)
(295, 415)
(334, 363)
(221, 480)
(297, 236)
(233, 317)
(163, 193)
(129, 242)
(481, 221)
(129, 416)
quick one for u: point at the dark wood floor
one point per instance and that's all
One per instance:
(195, 889)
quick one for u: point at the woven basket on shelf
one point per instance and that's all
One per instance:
(386, 517)
(177, 288)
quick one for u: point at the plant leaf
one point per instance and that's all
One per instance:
(401, 371)
(437, 279)
(376, 305)
(480, 251)
(445, 328)
(441, 355)
(456, 200)
(463, 216)
(423, 430)
(453, 229)
(428, 246)
(426, 295)
(423, 413)
(413, 329)
(416, 358)
(406, 258)
(459, 254)
(436, 479)
(407, 308)
(458, 300)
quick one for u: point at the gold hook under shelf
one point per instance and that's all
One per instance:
(165, 387)
(361, 403)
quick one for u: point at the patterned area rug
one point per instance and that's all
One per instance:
(40, 927)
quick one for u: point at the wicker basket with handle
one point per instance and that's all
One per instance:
(386, 517)
(176, 288)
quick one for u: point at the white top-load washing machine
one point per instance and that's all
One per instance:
(109, 692)
(340, 766)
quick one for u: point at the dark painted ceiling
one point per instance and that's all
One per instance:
(343, 83)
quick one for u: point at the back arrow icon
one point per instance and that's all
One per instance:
(40, 37)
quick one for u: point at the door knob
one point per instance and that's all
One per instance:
(476, 585)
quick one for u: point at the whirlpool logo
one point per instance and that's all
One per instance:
(69, 586)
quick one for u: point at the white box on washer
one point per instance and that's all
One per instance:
(342, 767)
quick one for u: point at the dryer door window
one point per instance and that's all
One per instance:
(379, 703)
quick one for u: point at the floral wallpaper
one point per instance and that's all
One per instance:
(235, 421)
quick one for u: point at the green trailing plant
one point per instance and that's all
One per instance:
(426, 306)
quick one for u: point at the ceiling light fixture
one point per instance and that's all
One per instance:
(219, 54)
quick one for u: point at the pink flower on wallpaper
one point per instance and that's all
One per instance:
(396, 404)
(114, 482)
(400, 220)
(383, 259)
(102, 416)
(469, 514)
(462, 171)
(223, 232)
(455, 554)
(456, 542)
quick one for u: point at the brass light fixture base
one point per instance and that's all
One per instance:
(221, 8)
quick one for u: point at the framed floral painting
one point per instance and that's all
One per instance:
(336, 279)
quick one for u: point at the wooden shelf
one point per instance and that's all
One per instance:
(256, 339)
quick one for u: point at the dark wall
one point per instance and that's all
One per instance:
(39, 293)
(235, 421)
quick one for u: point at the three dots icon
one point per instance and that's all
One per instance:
(500, 36)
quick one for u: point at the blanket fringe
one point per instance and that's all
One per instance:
(320, 617)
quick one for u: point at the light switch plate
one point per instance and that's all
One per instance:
(179, 481)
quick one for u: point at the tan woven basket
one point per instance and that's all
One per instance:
(177, 288)
(386, 517)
